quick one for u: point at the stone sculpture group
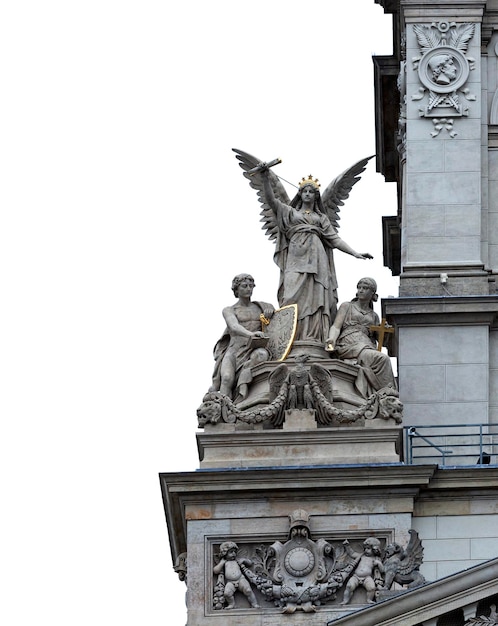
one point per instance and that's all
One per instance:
(302, 339)
(306, 363)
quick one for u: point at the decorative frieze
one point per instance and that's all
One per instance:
(303, 573)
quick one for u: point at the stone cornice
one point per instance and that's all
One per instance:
(415, 482)
(424, 310)
(180, 489)
(271, 478)
(389, 6)
(465, 478)
(436, 7)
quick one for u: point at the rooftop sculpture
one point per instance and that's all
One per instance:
(270, 361)
(351, 337)
(304, 230)
(242, 344)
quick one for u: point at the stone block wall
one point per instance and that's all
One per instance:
(453, 543)
(442, 205)
(443, 374)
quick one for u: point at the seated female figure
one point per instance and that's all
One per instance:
(351, 337)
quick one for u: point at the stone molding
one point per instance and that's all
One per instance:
(299, 447)
(204, 488)
(421, 311)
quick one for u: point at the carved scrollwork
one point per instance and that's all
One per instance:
(180, 566)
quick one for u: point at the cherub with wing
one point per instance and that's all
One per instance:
(305, 235)
(402, 565)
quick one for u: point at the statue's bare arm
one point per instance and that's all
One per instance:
(341, 245)
(335, 329)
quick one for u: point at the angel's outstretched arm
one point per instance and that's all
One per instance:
(268, 190)
(341, 245)
(352, 553)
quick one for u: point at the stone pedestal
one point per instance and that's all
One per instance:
(299, 443)
(343, 374)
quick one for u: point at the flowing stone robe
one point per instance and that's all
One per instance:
(304, 254)
(357, 342)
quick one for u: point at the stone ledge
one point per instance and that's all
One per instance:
(287, 447)
(393, 483)
(445, 310)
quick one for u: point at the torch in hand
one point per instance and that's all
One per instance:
(260, 167)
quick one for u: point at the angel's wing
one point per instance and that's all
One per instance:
(248, 162)
(414, 554)
(277, 379)
(278, 387)
(339, 189)
(323, 379)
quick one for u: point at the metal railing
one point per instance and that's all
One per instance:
(452, 444)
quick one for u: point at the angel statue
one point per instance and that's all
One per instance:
(305, 235)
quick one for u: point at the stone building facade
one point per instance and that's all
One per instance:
(320, 507)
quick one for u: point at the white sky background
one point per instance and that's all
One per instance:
(125, 217)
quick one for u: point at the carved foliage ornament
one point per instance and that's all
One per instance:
(301, 574)
(290, 392)
(443, 69)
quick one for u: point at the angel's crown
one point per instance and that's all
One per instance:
(309, 181)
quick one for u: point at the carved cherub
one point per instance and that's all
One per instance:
(229, 568)
(402, 565)
(366, 571)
